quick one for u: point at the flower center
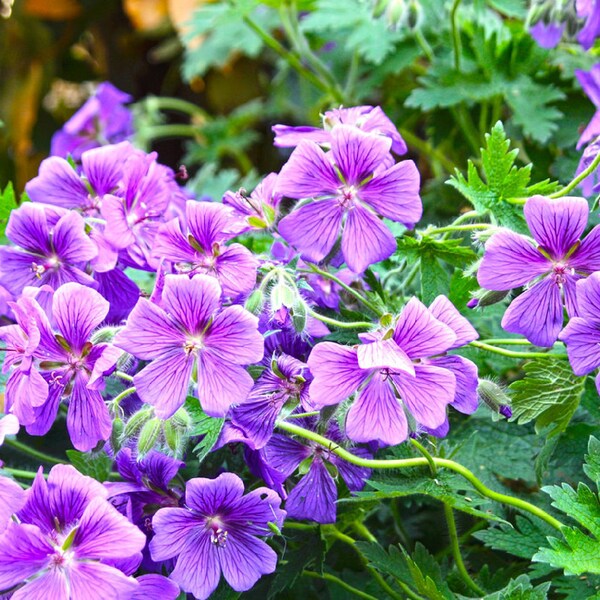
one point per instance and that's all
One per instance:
(218, 533)
(560, 271)
(346, 197)
(193, 344)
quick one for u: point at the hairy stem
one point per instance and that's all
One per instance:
(340, 324)
(338, 581)
(420, 462)
(573, 184)
(513, 354)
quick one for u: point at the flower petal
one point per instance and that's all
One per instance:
(509, 262)
(314, 496)
(384, 354)
(588, 297)
(420, 334)
(307, 173)
(284, 454)
(587, 257)
(556, 224)
(582, 338)
(377, 414)
(103, 166)
(165, 381)
(443, 310)
(252, 512)
(104, 533)
(155, 587)
(337, 374)
(466, 374)
(357, 153)
(236, 270)
(50, 585)
(427, 394)
(537, 313)
(313, 228)
(97, 581)
(221, 384)
(88, 419)
(172, 527)
(366, 240)
(209, 222)
(118, 231)
(149, 332)
(28, 228)
(191, 302)
(395, 193)
(77, 310)
(12, 499)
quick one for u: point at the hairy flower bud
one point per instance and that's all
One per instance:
(104, 334)
(255, 302)
(149, 436)
(494, 396)
(137, 421)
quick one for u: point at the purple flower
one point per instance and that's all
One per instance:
(48, 367)
(392, 373)
(9, 425)
(591, 184)
(284, 382)
(347, 189)
(547, 35)
(590, 11)
(69, 542)
(582, 333)
(549, 266)
(103, 119)
(217, 532)
(191, 328)
(366, 118)
(155, 587)
(200, 247)
(12, 499)
(260, 209)
(52, 248)
(315, 495)
(590, 82)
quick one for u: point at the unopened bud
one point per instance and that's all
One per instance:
(173, 436)
(396, 14)
(116, 434)
(137, 421)
(105, 334)
(255, 302)
(493, 396)
(149, 436)
(414, 15)
(283, 294)
(483, 298)
(181, 419)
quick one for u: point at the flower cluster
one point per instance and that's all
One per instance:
(230, 337)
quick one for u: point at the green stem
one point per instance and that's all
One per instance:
(450, 228)
(123, 376)
(456, 34)
(22, 474)
(463, 118)
(376, 575)
(507, 341)
(420, 38)
(458, 559)
(338, 581)
(513, 354)
(347, 288)
(426, 149)
(41, 456)
(420, 462)
(128, 392)
(291, 59)
(426, 454)
(362, 530)
(564, 191)
(176, 104)
(314, 413)
(340, 324)
(352, 77)
(173, 130)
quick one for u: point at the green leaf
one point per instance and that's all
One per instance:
(202, 424)
(8, 202)
(522, 540)
(371, 38)
(93, 464)
(446, 487)
(549, 393)
(592, 461)
(521, 589)
(577, 552)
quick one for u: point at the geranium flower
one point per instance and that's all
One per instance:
(549, 266)
(69, 543)
(200, 247)
(47, 366)
(347, 189)
(192, 328)
(218, 532)
(402, 370)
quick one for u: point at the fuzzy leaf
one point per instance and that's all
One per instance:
(208, 427)
(93, 464)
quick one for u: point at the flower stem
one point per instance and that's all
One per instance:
(340, 324)
(176, 104)
(507, 341)
(314, 413)
(420, 462)
(456, 34)
(338, 581)
(513, 354)
(458, 560)
(124, 376)
(41, 456)
(347, 288)
(573, 184)
(451, 228)
(128, 392)
(427, 149)
(22, 474)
